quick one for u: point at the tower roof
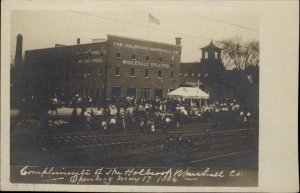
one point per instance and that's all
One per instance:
(211, 46)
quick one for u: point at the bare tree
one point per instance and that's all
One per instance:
(226, 61)
(240, 54)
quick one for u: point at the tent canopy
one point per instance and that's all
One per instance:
(189, 92)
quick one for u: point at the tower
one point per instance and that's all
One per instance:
(18, 56)
(211, 59)
(211, 52)
(212, 67)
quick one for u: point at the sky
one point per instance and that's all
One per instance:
(45, 28)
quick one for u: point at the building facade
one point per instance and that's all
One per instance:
(118, 66)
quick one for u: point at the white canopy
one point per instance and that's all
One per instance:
(189, 92)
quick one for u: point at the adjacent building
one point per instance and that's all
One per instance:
(207, 73)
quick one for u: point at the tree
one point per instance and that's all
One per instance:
(240, 54)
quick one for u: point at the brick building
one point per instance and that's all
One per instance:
(118, 66)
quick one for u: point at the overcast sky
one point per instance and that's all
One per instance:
(42, 29)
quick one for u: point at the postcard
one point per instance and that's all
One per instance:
(168, 96)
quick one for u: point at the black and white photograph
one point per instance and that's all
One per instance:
(123, 95)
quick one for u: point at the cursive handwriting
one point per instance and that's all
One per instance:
(133, 175)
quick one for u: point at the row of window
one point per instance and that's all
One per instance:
(147, 58)
(146, 73)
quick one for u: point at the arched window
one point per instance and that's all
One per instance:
(206, 55)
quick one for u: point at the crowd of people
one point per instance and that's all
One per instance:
(114, 115)
(148, 115)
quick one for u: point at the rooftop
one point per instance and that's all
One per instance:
(211, 46)
(103, 41)
(143, 40)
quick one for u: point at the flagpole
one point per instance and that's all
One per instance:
(147, 25)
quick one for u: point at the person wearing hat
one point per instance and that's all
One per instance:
(122, 118)
(189, 149)
(112, 124)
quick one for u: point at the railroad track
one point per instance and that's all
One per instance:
(130, 134)
(150, 151)
(128, 141)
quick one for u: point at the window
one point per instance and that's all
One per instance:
(98, 93)
(158, 92)
(91, 91)
(86, 91)
(160, 59)
(117, 72)
(116, 91)
(133, 57)
(159, 74)
(118, 55)
(132, 72)
(147, 58)
(145, 93)
(172, 75)
(131, 92)
(146, 73)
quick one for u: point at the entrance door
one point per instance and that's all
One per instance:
(116, 91)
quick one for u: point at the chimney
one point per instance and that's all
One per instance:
(18, 56)
(178, 41)
(78, 40)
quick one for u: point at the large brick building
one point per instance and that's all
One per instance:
(118, 66)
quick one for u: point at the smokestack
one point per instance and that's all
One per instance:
(78, 40)
(18, 56)
(178, 41)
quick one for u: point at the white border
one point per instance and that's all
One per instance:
(279, 32)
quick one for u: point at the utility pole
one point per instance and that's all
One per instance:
(105, 79)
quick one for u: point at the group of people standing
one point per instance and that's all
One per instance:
(118, 116)
(177, 150)
(149, 115)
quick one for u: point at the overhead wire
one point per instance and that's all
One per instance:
(225, 22)
(155, 28)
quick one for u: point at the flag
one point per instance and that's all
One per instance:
(154, 19)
